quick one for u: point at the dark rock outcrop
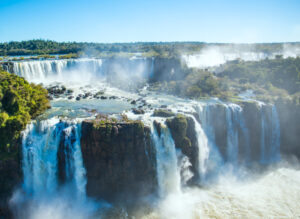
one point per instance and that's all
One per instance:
(10, 177)
(252, 115)
(167, 69)
(183, 132)
(8, 66)
(289, 116)
(119, 159)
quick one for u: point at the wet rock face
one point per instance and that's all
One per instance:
(252, 115)
(7, 66)
(183, 132)
(289, 116)
(167, 69)
(119, 159)
(10, 178)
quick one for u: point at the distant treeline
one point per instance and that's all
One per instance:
(163, 49)
(269, 79)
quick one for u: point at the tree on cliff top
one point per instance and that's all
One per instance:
(19, 103)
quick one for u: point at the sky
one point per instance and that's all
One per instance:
(109, 21)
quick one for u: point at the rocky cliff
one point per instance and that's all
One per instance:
(119, 159)
(10, 176)
(289, 115)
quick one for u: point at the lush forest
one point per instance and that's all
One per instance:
(162, 49)
(19, 103)
(269, 79)
(279, 72)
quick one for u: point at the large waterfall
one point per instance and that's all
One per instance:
(234, 145)
(84, 70)
(40, 146)
(54, 175)
(190, 183)
(58, 70)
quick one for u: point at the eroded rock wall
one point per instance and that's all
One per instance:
(119, 159)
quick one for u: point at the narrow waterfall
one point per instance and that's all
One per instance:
(151, 75)
(210, 159)
(270, 135)
(75, 171)
(262, 137)
(203, 150)
(232, 133)
(40, 145)
(275, 150)
(168, 173)
(235, 128)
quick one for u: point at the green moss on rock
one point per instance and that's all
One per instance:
(163, 113)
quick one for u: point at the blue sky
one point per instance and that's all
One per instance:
(241, 21)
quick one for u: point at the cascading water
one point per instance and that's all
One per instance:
(275, 150)
(210, 159)
(75, 171)
(58, 70)
(40, 146)
(236, 126)
(270, 135)
(203, 150)
(232, 134)
(166, 160)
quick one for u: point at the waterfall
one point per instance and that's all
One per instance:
(166, 160)
(275, 150)
(203, 147)
(151, 75)
(75, 171)
(58, 70)
(210, 159)
(40, 145)
(235, 127)
(232, 133)
(270, 134)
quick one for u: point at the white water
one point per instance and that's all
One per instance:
(166, 160)
(40, 146)
(84, 70)
(49, 71)
(266, 196)
(270, 135)
(210, 158)
(236, 126)
(214, 55)
(232, 133)
(75, 170)
(42, 195)
(224, 194)
(203, 150)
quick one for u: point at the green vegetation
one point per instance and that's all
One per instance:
(146, 49)
(68, 56)
(196, 84)
(163, 113)
(19, 103)
(269, 79)
(106, 121)
(273, 74)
